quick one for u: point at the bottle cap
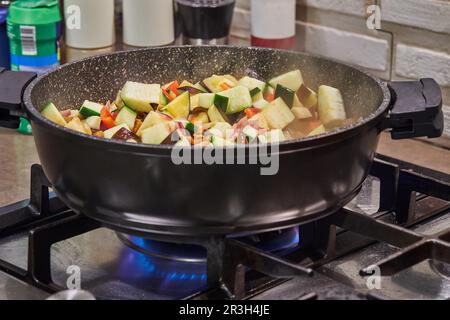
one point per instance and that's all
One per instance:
(34, 12)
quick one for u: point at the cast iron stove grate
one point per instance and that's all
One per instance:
(402, 185)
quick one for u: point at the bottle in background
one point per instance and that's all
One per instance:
(89, 23)
(4, 42)
(273, 23)
(148, 23)
(89, 28)
(205, 21)
(34, 30)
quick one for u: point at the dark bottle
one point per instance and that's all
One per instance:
(205, 21)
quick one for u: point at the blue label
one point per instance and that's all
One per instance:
(38, 65)
(34, 61)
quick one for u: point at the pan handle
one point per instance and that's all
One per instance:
(416, 109)
(12, 86)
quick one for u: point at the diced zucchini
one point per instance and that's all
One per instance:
(256, 95)
(307, 97)
(152, 119)
(215, 115)
(250, 132)
(238, 99)
(94, 122)
(252, 83)
(255, 91)
(194, 102)
(127, 116)
(156, 134)
(108, 134)
(89, 109)
(221, 102)
(140, 96)
(205, 100)
(220, 142)
(76, 125)
(119, 102)
(286, 94)
(220, 129)
(319, 130)
(278, 114)
(179, 108)
(215, 83)
(261, 104)
(301, 113)
(52, 113)
(331, 107)
(291, 80)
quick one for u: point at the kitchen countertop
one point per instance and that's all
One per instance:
(18, 153)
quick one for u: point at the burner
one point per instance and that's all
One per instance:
(275, 242)
(441, 268)
(172, 251)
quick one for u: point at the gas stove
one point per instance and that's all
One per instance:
(391, 242)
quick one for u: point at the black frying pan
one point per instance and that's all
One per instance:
(137, 188)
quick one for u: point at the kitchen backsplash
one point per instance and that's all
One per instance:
(414, 40)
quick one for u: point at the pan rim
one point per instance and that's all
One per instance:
(296, 144)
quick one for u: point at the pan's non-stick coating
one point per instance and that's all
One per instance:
(137, 189)
(100, 78)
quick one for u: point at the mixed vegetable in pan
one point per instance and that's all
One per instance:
(218, 111)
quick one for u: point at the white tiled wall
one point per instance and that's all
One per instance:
(414, 41)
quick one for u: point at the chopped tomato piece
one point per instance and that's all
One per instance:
(168, 96)
(174, 88)
(250, 112)
(107, 118)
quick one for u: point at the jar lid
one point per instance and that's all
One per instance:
(33, 12)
